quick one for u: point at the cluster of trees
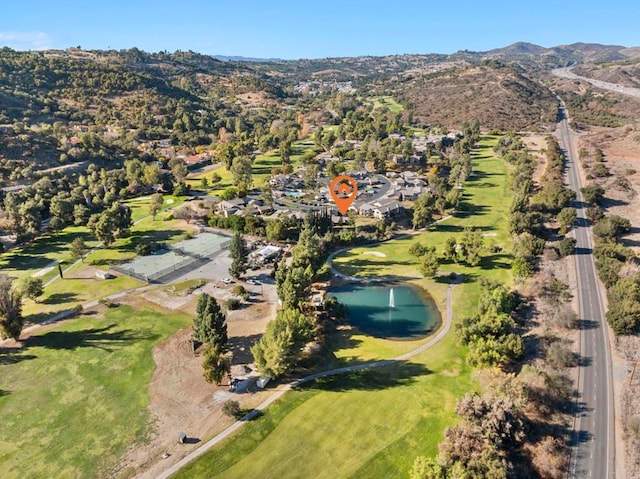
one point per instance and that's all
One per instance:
(553, 195)
(11, 296)
(491, 333)
(279, 349)
(611, 256)
(210, 332)
(526, 225)
(507, 431)
(111, 224)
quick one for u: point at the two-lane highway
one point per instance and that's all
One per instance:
(594, 440)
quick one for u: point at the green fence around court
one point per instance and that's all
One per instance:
(180, 255)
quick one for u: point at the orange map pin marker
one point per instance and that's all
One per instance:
(343, 190)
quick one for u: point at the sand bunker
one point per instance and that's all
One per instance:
(375, 253)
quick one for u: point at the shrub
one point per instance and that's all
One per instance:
(231, 408)
(567, 246)
(233, 303)
(239, 290)
(77, 309)
(143, 249)
(559, 356)
(522, 267)
(417, 249)
(566, 318)
(592, 194)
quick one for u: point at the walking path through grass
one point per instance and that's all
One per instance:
(373, 422)
(312, 377)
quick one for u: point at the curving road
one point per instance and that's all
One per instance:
(593, 431)
(280, 392)
(567, 73)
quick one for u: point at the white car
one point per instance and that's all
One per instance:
(252, 281)
(227, 280)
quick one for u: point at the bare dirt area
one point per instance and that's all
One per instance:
(535, 145)
(621, 149)
(629, 348)
(180, 399)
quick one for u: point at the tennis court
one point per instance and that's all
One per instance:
(191, 252)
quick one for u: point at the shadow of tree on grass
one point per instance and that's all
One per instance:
(102, 338)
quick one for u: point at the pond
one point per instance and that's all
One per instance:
(389, 311)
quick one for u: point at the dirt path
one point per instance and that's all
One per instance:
(333, 372)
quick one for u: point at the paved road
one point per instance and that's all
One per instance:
(594, 440)
(287, 387)
(567, 73)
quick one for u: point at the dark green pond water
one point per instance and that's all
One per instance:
(413, 314)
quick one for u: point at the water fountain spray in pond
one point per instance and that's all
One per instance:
(392, 303)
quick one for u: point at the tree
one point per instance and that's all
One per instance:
(450, 248)
(11, 320)
(285, 152)
(80, 214)
(566, 217)
(275, 230)
(241, 169)
(78, 248)
(429, 264)
(592, 194)
(111, 223)
(417, 249)
(471, 246)
(239, 255)
(155, 204)
(231, 408)
(210, 323)
(216, 365)
(32, 288)
(566, 246)
(423, 211)
(426, 468)
(178, 169)
(279, 348)
(521, 267)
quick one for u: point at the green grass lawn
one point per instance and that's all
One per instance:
(373, 424)
(388, 102)
(66, 293)
(75, 397)
(261, 171)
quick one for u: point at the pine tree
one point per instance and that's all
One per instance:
(279, 348)
(239, 254)
(210, 323)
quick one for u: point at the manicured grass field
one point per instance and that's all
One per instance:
(75, 397)
(261, 171)
(387, 102)
(74, 289)
(373, 424)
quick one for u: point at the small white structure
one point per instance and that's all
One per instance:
(101, 274)
(263, 381)
(269, 252)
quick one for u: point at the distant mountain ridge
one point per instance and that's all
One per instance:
(238, 58)
(574, 52)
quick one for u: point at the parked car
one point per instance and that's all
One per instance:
(252, 281)
(227, 280)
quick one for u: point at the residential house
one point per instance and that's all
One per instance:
(385, 208)
(230, 207)
(411, 193)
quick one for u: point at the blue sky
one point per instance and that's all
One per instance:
(314, 29)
